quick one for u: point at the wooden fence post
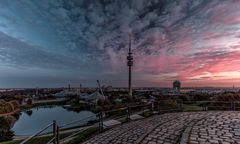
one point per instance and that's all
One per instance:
(54, 131)
(100, 122)
(128, 114)
(58, 136)
(143, 110)
(234, 107)
(158, 107)
(152, 106)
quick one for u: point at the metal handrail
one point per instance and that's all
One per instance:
(231, 104)
(114, 110)
(215, 101)
(36, 134)
(124, 108)
(143, 105)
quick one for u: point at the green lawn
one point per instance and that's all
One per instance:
(38, 140)
(191, 107)
(84, 136)
(10, 142)
(43, 140)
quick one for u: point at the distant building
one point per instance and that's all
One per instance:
(176, 86)
(109, 89)
(94, 97)
(66, 93)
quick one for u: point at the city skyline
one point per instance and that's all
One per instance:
(60, 42)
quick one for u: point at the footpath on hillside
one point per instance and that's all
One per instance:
(171, 128)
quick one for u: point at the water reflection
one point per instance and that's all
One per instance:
(35, 119)
(29, 112)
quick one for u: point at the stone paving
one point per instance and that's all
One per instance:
(223, 128)
(174, 128)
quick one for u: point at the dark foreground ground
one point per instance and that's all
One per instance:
(172, 128)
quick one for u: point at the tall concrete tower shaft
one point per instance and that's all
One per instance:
(130, 64)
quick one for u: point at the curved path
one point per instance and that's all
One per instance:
(173, 128)
(10, 113)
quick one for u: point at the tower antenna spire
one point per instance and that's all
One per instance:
(130, 43)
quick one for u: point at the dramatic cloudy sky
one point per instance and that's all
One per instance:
(50, 43)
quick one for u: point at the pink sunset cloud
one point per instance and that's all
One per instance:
(206, 53)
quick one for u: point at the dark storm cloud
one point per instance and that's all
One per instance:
(168, 35)
(16, 53)
(94, 28)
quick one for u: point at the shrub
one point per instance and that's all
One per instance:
(6, 135)
(5, 126)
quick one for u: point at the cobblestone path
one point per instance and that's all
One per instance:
(223, 128)
(175, 128)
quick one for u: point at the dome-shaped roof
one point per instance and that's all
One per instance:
(176, 81)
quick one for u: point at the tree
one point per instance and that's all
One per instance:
(5, 128)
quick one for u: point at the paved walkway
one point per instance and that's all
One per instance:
(174, 128)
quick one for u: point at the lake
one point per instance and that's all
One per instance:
(36, 119)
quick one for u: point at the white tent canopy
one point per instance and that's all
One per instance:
(94, 96)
